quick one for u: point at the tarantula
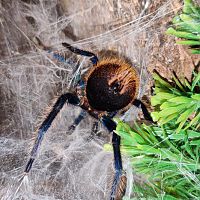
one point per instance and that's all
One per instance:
(110, 86)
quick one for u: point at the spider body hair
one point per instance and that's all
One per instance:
(44, 114)
(67, 97)
(109, 87)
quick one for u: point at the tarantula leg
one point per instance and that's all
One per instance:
(119, 183)
(145, 112)
(93, 57)
(95, 128)
(72, 99)
(77, 120)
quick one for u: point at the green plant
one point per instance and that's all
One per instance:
(178, 101)
(166, 154)
(168, 162)
(187, 26)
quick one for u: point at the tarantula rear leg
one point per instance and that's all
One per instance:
(68, 97)
(119, 183)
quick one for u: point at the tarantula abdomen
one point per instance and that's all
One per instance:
(111, 85)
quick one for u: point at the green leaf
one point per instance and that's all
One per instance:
(144, 134)
(189, 150)
(177, 137)
(195, 81)
(166, 153)
(128, 140)
(155, 116)
(121, 126)
(188, 84)
(165, 95)
(169, 197)
(161, 81)
(195, 51)
(187, 6)
(181, 126)
(161, 97)
(182, 34)
(150, 133)
(187, 26)
(188, 42)
(176, 20)
(171, 110)
(193, 134)
(196, 10)
(167, 119)
(137, 137)
(179, 84)
(195, 142)
(180, 100)
(168, 104)
(190, 23)
(185, 115)
(194, 120)
(147, 149)
(196, 97)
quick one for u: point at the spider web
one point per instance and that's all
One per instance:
(69, 166)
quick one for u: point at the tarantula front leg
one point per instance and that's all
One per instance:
(93, 57)
(77, 120)
(68, 97)
(119, 183)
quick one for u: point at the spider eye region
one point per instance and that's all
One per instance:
(111, 86)
(115, 88)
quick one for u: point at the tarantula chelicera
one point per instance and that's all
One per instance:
(111, 85)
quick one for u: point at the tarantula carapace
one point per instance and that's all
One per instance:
(110, 86)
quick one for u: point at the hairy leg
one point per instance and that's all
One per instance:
(77, 120)
(145, 112)
(68, 97)
(95, 128)
(93, 57)
(119, 183)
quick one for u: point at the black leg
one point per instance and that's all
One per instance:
(119, 182)
(146, 113)
(77, 121)
(95, 128)
(72, 99)
(92, 56)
